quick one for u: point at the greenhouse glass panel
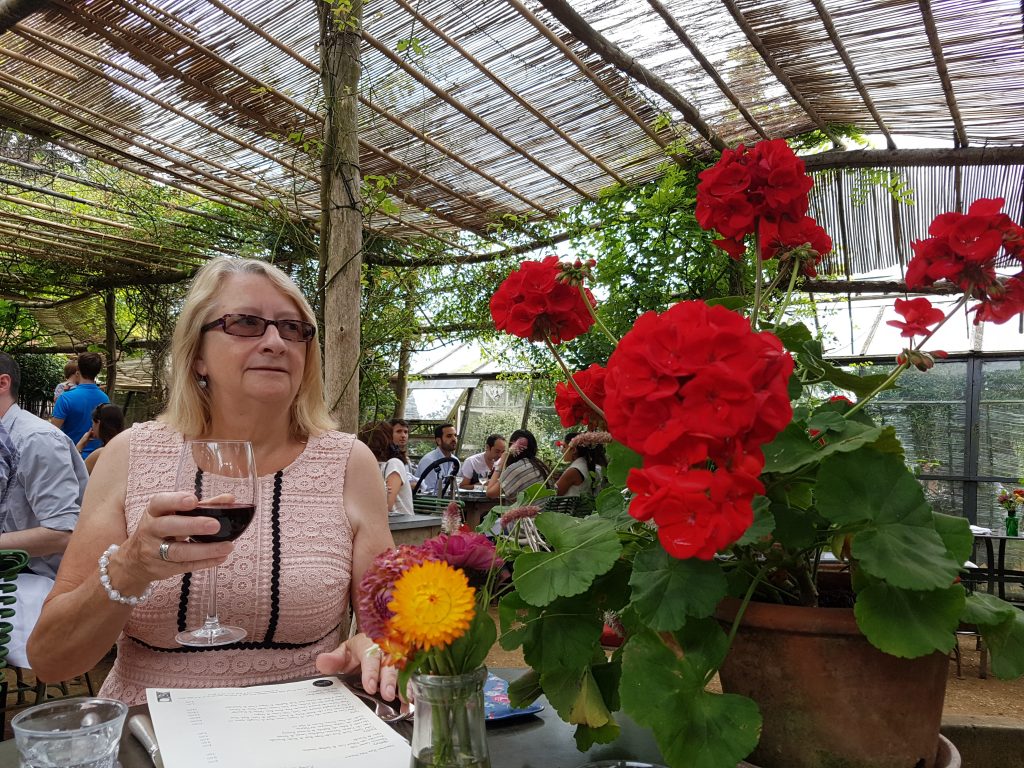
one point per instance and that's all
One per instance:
(945, 496)
(496, 408)
(1001, 420)
(929, 413)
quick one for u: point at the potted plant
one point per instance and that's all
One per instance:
(732, 479)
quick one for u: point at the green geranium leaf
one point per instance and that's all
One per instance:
(853, 435)
(763, 524)
(693, 728)
(564, 636)
(582, 550)
(867, 486)
(827, 421)
(790, 450)
(1006, 643)
(525, 690)
(516, 617)
(611, 505)
(735, 303)
(791, 335)
(861, 386)
(587, 737)
(794, 528)
(889, 442)
(620, 460)
(956, 535)
(469, 651)
(667, 590)
(986, 610)
(532, 494)
(576, 696)
(909, 623)
(906, 556)
(704, 644)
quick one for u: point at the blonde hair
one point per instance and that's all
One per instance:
(188, 404)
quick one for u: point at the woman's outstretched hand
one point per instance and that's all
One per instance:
(360, 652)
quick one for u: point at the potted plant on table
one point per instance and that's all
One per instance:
(740, 482)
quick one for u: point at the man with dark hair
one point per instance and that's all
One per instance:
(45, 479)
(399, 434)
(73, 410)
(478, 467)
(431, 467)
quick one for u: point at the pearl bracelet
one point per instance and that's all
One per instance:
(112, 593)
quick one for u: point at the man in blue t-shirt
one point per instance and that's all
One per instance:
(73, 410)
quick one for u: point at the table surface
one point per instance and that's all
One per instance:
(533, 741)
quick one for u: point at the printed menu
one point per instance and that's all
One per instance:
(315, 723)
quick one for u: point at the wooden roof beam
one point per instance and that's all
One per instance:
(613, 54)
(247, 203)
(833, 35)
(80, 113)
(508, 90)
(897, 158)
(412, 225)
(684, 38)
(932, 31)
(53, 44)
(99, 72)
(444, 96)
(40, 64)
(127, 243)
(452, 155)
(613, 97)
(60, 251)
(769, 60)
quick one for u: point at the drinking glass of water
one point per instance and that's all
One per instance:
(70, 733)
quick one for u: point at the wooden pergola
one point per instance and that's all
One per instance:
(475, 112)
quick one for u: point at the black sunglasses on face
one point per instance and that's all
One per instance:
(252, 326)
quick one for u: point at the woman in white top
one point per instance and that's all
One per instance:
(377, 436)
(584, 461)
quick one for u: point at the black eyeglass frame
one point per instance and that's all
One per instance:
(309, 330)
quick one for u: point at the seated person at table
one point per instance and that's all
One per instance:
(107, 423)
(585, 461)
(429, 471)
(377, 436)
(478, 467)
(519, 469)
(289, 579)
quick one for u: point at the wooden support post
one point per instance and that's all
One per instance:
(109, 312)
(341, 234)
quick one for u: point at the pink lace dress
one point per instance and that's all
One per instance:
(287, 581)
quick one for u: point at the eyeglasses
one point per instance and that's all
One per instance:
(252, 326)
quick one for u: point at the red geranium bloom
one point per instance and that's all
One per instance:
(696, 381)
(745, 185)
(570, 406)
(1004, 305)
(918, 314)
(787, 237)
(698, 512)
(534, 304)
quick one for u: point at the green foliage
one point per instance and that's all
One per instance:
(39, 375)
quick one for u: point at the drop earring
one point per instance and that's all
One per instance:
(203, 382)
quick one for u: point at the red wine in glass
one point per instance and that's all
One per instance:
(222, 474)
(233, 519)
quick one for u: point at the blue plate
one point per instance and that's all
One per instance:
(496, 706)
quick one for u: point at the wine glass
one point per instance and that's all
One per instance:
(222, 474)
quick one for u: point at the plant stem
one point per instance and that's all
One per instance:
(593, 314)
(739, 617)
(906, 364)
(568, 375)
(756, 309)
(789, 294)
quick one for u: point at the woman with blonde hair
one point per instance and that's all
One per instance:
(246, 367)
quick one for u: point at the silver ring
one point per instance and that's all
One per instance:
(164, 549)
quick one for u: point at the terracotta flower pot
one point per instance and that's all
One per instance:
(827, 696)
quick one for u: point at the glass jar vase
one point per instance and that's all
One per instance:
(449, 727)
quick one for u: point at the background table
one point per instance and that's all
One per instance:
(534, 741)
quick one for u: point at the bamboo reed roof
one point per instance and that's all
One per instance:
(475, 110)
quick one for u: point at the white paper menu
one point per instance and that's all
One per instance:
(307, 724)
